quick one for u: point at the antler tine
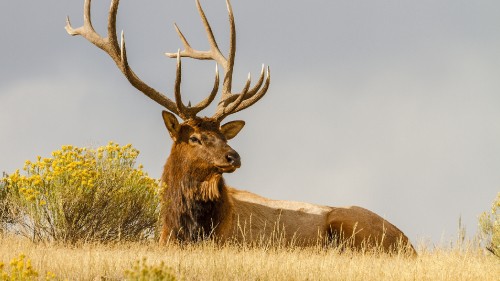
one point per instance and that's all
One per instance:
(238, 102)
(87, 30)
(250, 92)
(256, 87)
(109, 44)
(228, 78)
(247, 102)
(178, 100)
(113, 10)
(223, 111)
(213, 54)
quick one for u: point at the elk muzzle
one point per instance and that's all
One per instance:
(233, 162)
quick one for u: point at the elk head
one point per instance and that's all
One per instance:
(204, 142)
(204, 138)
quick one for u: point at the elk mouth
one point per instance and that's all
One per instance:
(227, 168)
(233, 162)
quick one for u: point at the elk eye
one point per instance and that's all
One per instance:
(194, 139)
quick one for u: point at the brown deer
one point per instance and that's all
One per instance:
(197, 203)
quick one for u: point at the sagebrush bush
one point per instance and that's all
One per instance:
(489, 224)
(84, 195)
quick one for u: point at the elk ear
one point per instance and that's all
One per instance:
(231, 129)
(171, 123)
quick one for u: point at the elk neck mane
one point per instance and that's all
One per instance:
(196, 194)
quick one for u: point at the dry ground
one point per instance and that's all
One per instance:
(209, 262)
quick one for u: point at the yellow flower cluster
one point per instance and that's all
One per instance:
(76, 169)
(20, 269)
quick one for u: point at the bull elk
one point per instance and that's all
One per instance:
(197, 203)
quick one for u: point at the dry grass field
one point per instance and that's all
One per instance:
(61, 204)
(207, 261)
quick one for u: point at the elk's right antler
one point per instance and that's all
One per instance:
(230, 103)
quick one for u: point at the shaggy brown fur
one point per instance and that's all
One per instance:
(197, 203)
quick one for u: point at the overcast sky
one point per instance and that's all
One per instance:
(390, 105)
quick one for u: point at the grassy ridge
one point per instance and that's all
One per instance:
(207, 261)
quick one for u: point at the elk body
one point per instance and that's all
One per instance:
(197, 203)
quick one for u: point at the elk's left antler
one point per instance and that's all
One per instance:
(230, 102)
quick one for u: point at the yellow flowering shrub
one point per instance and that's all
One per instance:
(84, 194)
(489, 224)
(20, 269)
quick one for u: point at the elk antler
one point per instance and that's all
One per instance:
(118, 53)
(229, 103)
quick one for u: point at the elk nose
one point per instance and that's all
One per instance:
(233, 158)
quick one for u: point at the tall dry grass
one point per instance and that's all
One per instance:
(71, 259)
(207, 261)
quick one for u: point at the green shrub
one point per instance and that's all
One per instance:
(489, 224)
(141, 271)
(84, 195)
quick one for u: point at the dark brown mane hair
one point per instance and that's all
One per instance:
(193, 201)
